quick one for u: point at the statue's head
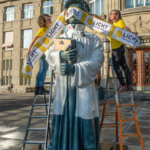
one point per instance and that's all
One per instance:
(79, 4)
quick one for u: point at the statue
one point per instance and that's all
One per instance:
(75, 124)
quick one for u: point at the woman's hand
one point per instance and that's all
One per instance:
(136, 33)
(28, 52)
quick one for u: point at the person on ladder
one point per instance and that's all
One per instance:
(44, 22)
(118, 53)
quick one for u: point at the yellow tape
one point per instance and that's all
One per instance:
(112, 29)
(61, 18)
(83, 18)
(25, 75)
(41, 47)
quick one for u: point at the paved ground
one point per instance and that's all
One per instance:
(14, 112)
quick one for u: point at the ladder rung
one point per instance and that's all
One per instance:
(36, 129)
(34, 142)
(40, 104)
(48, 82)
(125, 91)
(110, 114)
(128, 105)
(129, 135)
(39, 116)
(109, 102)
(108, 126)
(126, 120)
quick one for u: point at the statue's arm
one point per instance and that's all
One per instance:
(86, 71)
(53, 59)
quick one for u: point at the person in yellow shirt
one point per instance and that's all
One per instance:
(44, 22)
(118, 50)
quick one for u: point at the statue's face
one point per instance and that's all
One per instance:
(73, 20)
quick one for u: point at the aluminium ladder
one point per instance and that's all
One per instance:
(46, 129)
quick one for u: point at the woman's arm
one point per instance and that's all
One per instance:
(128, 29)
(31, 44)
(96, 16)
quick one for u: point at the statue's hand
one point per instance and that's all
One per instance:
(67, 69)
(69, 55)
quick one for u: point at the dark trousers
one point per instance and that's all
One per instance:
(118, 60)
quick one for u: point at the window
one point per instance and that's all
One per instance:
(3, 64)
(27, 11)
(48, 7)
(97, 7)
(64, 2)
(147, 2)
(3, 80)
(136, 3)
(10, 66)
(26, 38)
(6, 80)
(7, 64)
(9, 13)
(10, 79)
(7, 41)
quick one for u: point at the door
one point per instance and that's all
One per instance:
(140, 67)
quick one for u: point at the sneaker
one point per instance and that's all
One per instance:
(41, 90)
(36, 92)
(122, 88)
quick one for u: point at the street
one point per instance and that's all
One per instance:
(14, 113)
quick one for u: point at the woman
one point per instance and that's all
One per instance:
(118, 50)
(44, 22)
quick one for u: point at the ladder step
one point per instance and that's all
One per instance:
(128, 105)
(36, 129)
(126, 120)
(109, 125)
(129, 135)
(39, 117)
(110, 114)
(49, 82)
(110, 102)
(34, 142)
(125, 91)
(40, 104)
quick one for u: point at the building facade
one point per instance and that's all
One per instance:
(18, 25)
(136, 15)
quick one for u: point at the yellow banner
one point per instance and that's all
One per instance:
(55, 30)
(44, 43)
(103, 27)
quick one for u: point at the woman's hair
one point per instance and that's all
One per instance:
(42, 21)
(118, 14)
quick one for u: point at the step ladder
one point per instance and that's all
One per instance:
(46, 128)
(119, 121)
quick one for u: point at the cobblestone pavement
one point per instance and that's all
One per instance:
(14, 113)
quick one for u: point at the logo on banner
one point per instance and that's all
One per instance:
(27, 68)
(46, 41)
(118, 34)
(90, 21)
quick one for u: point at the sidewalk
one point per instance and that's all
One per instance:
(14, 113)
